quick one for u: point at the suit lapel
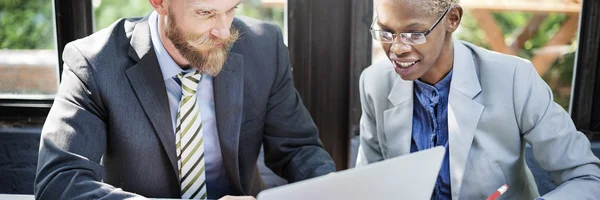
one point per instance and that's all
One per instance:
(147, 82)
(228, 91)
(463, 113)
(398, 119)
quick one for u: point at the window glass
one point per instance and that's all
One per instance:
(28, 58)
(108, 11)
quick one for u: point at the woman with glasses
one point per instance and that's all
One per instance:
(483, 106)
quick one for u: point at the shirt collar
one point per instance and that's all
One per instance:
(442, 85)
(168, 67)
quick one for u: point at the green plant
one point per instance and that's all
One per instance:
(559, 75)
(26, 24)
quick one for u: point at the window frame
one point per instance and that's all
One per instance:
(73, 19)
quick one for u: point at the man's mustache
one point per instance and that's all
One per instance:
(203, 42)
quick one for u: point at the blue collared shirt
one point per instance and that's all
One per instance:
(217, 183)
(430, 127)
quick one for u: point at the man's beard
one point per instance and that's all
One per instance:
(201, 51)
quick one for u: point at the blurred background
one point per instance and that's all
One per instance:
(526, 30)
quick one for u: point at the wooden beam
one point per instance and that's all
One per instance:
(493, 33)
(320, 49)
(528, 31)
(546, 56)
(522, 5)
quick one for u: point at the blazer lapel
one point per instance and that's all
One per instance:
(397, 121)
(463, 113)
(147, 82)
(228, 91)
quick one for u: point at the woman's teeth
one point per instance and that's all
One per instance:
(405, 64)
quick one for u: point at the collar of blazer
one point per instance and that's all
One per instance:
(463, 114)
(146, 80)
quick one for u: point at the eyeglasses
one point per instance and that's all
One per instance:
(407, 38)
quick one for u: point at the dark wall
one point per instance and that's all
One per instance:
(595, 123)
(18, 158)
(585, 107)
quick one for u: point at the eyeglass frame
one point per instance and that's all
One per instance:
(395, 35)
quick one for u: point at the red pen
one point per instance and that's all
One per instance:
(498, 192)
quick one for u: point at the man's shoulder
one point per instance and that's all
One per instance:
(260, 42)
(498, 71)
(381, 69)
(111, 42)
(379, 78)
(251, 28)
(119, 31)
(487, 59)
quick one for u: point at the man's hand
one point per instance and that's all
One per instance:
(237, 198)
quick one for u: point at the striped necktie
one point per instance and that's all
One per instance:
(190, 141)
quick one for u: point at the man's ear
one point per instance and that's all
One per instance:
(454, 17)
(159, 6)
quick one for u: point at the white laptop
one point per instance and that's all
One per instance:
(411, 176)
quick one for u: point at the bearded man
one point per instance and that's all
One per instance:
(176, 105)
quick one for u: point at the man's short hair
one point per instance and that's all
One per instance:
(432, 7)
(438, 6)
